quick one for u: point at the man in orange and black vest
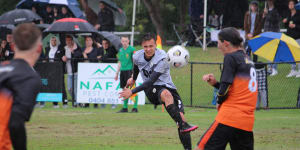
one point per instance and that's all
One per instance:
(236, 98)
(19, 86)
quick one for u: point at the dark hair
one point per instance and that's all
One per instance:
(106, 41)
(295, 2)
(148, 37)
(25, 36)
(69, 36)
(231, 35)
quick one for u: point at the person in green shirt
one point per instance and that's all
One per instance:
(125, 66)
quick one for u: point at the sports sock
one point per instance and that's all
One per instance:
(185, 139)
(174, 113)
(135, 103)
(125, 104)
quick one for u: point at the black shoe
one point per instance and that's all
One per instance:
(134, 110)
(187, 128)
(155, 106)
(123, 110)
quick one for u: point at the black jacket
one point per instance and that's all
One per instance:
(293, 32)
(106, 20)
(58, 55)
(48, 18)
(110, 55)
(24, 83)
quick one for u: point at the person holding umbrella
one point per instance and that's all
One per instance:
(110, 56)
(64, 13)
(2, 49)
(105, 19)
(54, 53)
(9, 49)
(71, 51)
(272, 24)
(49, 17)
(91, 54)
(292, 23)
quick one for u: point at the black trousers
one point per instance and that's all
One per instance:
(17, 132)
(218, 135)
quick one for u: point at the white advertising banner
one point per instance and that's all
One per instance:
(96, 84)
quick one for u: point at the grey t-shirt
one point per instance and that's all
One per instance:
(158, 63)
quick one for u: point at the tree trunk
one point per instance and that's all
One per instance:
(154, 9)
(184, 4)
(91, 16)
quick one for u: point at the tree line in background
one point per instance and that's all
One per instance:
(157, 15)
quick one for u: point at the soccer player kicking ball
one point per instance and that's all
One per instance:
(236, 98)
(158, 85)
(18, 77)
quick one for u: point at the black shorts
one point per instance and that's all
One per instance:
(153, 94)
(124, 76)
(218, 135)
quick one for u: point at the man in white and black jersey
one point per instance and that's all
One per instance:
(158, 85)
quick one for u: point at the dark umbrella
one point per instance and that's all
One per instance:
(119, 14)
(71, 26)
(72, 5)
(114, 40)
(43, 26)
(297, 6)
(18, 16)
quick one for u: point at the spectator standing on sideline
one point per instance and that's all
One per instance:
(48, 18)
(54, 53)
(110, 53)
(2, 49)
(92, 54)
(261, 76)
(55, 14)
(125, 65)
(292, 23)
(9, 50)
(110, 56)
(64, 13)
(196, 9)
(21, 85)
(252, 25)
(71, 51)
(272, 24)
(105, 18)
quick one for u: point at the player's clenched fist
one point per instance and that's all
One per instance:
(210, 78)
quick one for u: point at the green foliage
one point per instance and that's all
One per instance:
(7, 5)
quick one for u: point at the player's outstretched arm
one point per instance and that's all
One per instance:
(126, 93)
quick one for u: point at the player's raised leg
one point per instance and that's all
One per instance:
(175, 110)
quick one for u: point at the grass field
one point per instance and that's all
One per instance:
(103, 129)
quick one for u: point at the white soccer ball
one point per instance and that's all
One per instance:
(178, 56)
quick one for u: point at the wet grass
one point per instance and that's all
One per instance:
(103, 129)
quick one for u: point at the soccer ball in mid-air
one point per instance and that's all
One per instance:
(178, 56)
